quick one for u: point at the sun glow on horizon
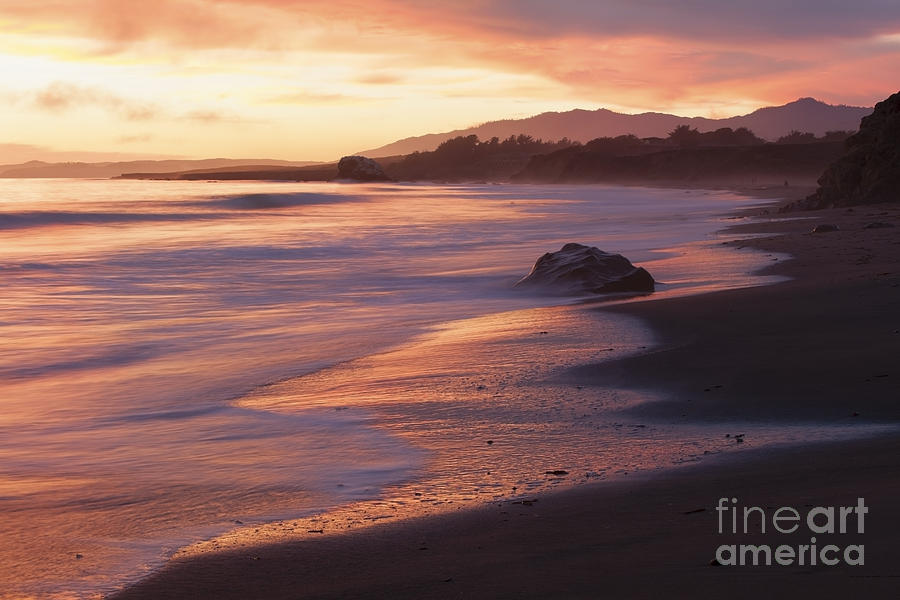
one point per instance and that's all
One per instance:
(315, 80)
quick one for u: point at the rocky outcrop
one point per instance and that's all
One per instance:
(577, 269)
(360, 168)
(869, 170)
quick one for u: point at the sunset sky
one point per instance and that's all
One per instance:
(313, 79)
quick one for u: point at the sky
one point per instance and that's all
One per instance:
(316, 79)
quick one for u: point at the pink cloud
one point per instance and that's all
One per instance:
(234, 23)
(652, 53)
(183, 23)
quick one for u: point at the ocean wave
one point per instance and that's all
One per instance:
(24, 220)
(115, 356)
(261, 201)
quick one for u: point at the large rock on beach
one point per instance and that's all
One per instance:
(577, 269)
(360, 168)
(869, 170)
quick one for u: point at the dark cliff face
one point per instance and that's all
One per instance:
(869, 170)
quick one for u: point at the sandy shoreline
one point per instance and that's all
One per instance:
(818, 348)
(627, 539)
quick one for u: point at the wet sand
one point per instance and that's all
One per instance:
(819, 348)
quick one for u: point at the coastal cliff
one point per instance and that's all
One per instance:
(869, 170)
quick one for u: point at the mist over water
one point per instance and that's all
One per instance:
(179, 356)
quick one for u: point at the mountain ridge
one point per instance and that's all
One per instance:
(769, 122)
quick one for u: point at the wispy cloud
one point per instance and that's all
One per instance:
(212, 117)
(136, 138)
(63, 96)
(306, 98)
(380, 78)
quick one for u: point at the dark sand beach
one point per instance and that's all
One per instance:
(821, 347)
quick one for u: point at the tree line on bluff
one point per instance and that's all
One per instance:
(524, 158)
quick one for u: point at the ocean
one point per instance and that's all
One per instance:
(186, 366)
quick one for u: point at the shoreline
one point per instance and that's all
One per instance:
(235, 575)
(634, 539)
(828, 274)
